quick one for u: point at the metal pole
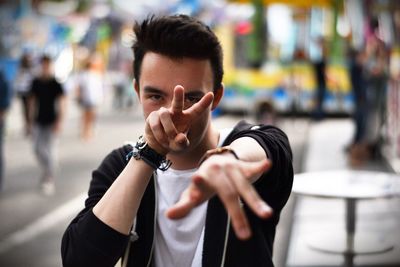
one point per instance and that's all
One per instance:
(350, 231)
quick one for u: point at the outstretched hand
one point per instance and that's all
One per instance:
(166, 129)
(230, 179)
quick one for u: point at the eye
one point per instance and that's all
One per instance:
(155, 97)
(192, 99)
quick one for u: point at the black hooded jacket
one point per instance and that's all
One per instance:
(89, 242)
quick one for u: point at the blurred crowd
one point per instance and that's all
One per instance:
(43, 100)
(368, 69)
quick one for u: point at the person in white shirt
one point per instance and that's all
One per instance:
(90, 92)
(22, 84)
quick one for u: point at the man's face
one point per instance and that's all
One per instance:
(158, 78)
(46, 68)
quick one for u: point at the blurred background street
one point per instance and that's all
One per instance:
(305, 66)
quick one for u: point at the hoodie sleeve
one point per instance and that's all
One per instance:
(88, 241)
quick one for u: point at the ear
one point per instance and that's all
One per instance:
(217, 96)
(137, 89)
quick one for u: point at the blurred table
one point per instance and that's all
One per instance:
(350, 185)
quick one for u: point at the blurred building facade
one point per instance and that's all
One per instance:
(269, 46)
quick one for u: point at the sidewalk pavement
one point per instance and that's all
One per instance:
(313, 216)
(32, 224)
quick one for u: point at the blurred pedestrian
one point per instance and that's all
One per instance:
(22, 85)
(319, 66)
(357, 80)
(266, 113)
(124, 97)
(376, 76)
(213, 207)
(358, 151)
(46, 111)
(5, 101)
(90, 91)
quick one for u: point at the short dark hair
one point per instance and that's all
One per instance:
(45, 59)
(177, 36)
(26, 61)
(374, 23)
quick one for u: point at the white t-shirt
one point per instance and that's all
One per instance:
(179, 242)
(22, 83)
(91, 86)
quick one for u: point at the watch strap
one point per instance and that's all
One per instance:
(142, 151)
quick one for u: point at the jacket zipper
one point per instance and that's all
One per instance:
(155, 216)
(226, 241)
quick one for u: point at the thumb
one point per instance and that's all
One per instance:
(181, 208)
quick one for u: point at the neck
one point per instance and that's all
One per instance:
(45, 76)
(190, 158)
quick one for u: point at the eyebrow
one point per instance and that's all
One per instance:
(152, 90)
(155, 90)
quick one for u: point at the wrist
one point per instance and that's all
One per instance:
(143, 151)
(218, 151)
(157, 148)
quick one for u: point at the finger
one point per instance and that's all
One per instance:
(182, 207)
(167, 123)
(238, 218)
(253, 170)
(182, 140)
(178, 99)
(153, 143)
(201, 191)
(179, 143)
(199, 107)
(154, 128)
(230, 198)
(193, 196)
(249, 194)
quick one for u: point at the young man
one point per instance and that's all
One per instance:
(46, 111)
(376, 73)
(211, 207)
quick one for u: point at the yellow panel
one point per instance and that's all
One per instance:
(299, 75)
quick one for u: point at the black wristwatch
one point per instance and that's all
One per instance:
(143, 151)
